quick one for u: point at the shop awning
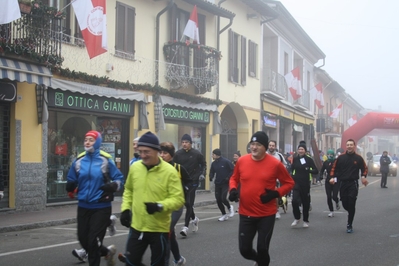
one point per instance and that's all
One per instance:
(183, 103)
(24, 72)
(97, 90)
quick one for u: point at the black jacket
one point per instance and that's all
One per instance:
(223, 169)
(302, 167)
(384, 164)
(327, 165)
(193, 161)
(346, 167)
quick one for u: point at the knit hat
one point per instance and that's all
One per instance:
(330, 152)
(217, 152)
(187, 137)
(93, 133)
(302, 144)
(149, 140)
(260, 137)
(238, 153)
(168, 148)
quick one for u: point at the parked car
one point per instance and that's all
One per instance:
(374, 165)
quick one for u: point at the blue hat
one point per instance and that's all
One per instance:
(149, 140)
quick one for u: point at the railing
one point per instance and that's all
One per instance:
(304, 100)
(274, 82)
(191, 64)
(33, 38)
(328, 121)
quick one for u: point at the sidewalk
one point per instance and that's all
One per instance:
(66, 214)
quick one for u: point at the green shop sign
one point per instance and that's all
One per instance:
(185, 114)
(91, 103)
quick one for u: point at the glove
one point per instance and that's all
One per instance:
(126, 218)
(269, 195)
(233, 195)
(110, 187)
(153, 207)
(1, 195)
(201, 177)
(73, 193)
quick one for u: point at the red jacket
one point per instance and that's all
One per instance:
(256, 176)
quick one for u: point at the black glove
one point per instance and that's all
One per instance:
(233, 195)
(269, 195)
(110, 187)
(152, 207)
(126, 218)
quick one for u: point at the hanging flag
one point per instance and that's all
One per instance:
(294, 83)
(352, 120)
(191, 29)
(317, 92)
(9, 11)
(91, 16)
(335, 112)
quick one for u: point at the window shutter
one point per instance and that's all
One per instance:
(120, 27)
(130, 25)
(231, 55)
(243, 61)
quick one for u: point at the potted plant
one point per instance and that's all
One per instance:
(25, 6)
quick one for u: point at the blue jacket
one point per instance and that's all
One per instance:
(89, 172)
(223, 169)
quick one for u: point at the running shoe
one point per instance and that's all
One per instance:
(305, 224)
(295, 223)
(181, 261)
(110, 256)
(331, 214)
(349, 229)
(337, 207)
(195, 224)
(184, 231)
(231, 211)
(223, 218)
(278, 216)
(112, 227)
(80, 254)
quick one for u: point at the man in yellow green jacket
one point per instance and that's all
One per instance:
(153, 191)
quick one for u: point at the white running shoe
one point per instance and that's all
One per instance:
(80, 254)
(195, 224)
(112, 227)
(331, 214)
(184, 231)
(295, 223)
(305, 224)
(181, 261)
(110, 256)
(231, 211)
(278, 216)
(223, 218)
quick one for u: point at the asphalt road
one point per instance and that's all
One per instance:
(375, 240)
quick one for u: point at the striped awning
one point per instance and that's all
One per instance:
(24, 72)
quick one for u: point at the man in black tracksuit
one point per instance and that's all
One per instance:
(346, 169)
(221, 170)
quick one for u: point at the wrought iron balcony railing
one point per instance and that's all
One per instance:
(34, 38)
(272, 81)
(191, 64)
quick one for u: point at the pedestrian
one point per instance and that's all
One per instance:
(395, 158)
(194, 162)
(331, 189)
(221, 170)
(272, 150)
(236, 156)
(153, 190)
(302, 167)
(385, 161)
(167, 153)
(346, 169)
(136, 156)
(257, 173)
(96, 178)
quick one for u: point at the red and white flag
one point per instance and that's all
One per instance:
(191, 29)
(352, 120)
(9, 11)
(91, 15)
(317, 92)
(293, 80)
(334, 113)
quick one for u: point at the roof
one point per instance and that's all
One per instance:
(212, 8)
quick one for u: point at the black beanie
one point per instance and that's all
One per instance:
(149, 140)
(187, 137)
(217, 152)
(238, 153)
(302, 144)
(260, 137)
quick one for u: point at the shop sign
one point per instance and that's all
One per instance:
(91, 103)
(269, 122)
(185, 114)
(8, 92)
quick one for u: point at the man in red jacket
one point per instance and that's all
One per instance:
(257, 173)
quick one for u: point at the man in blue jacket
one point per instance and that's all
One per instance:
(221, 170)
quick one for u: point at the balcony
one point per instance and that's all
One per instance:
(35, 37)
(191, 64)
(273, 85)
(303, 102)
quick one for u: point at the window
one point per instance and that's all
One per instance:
(237, 58)
(252, 59)
(125, 31)
(285, 63)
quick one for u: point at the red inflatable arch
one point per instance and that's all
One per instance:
(368, 123)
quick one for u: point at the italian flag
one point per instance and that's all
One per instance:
(191, 29)
(293, 80)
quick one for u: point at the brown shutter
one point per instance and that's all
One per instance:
(231, 55)
(130, 26)
(120, 27)
(243, 61)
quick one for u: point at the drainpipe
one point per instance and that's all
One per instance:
(219, 32)
(169, 6)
